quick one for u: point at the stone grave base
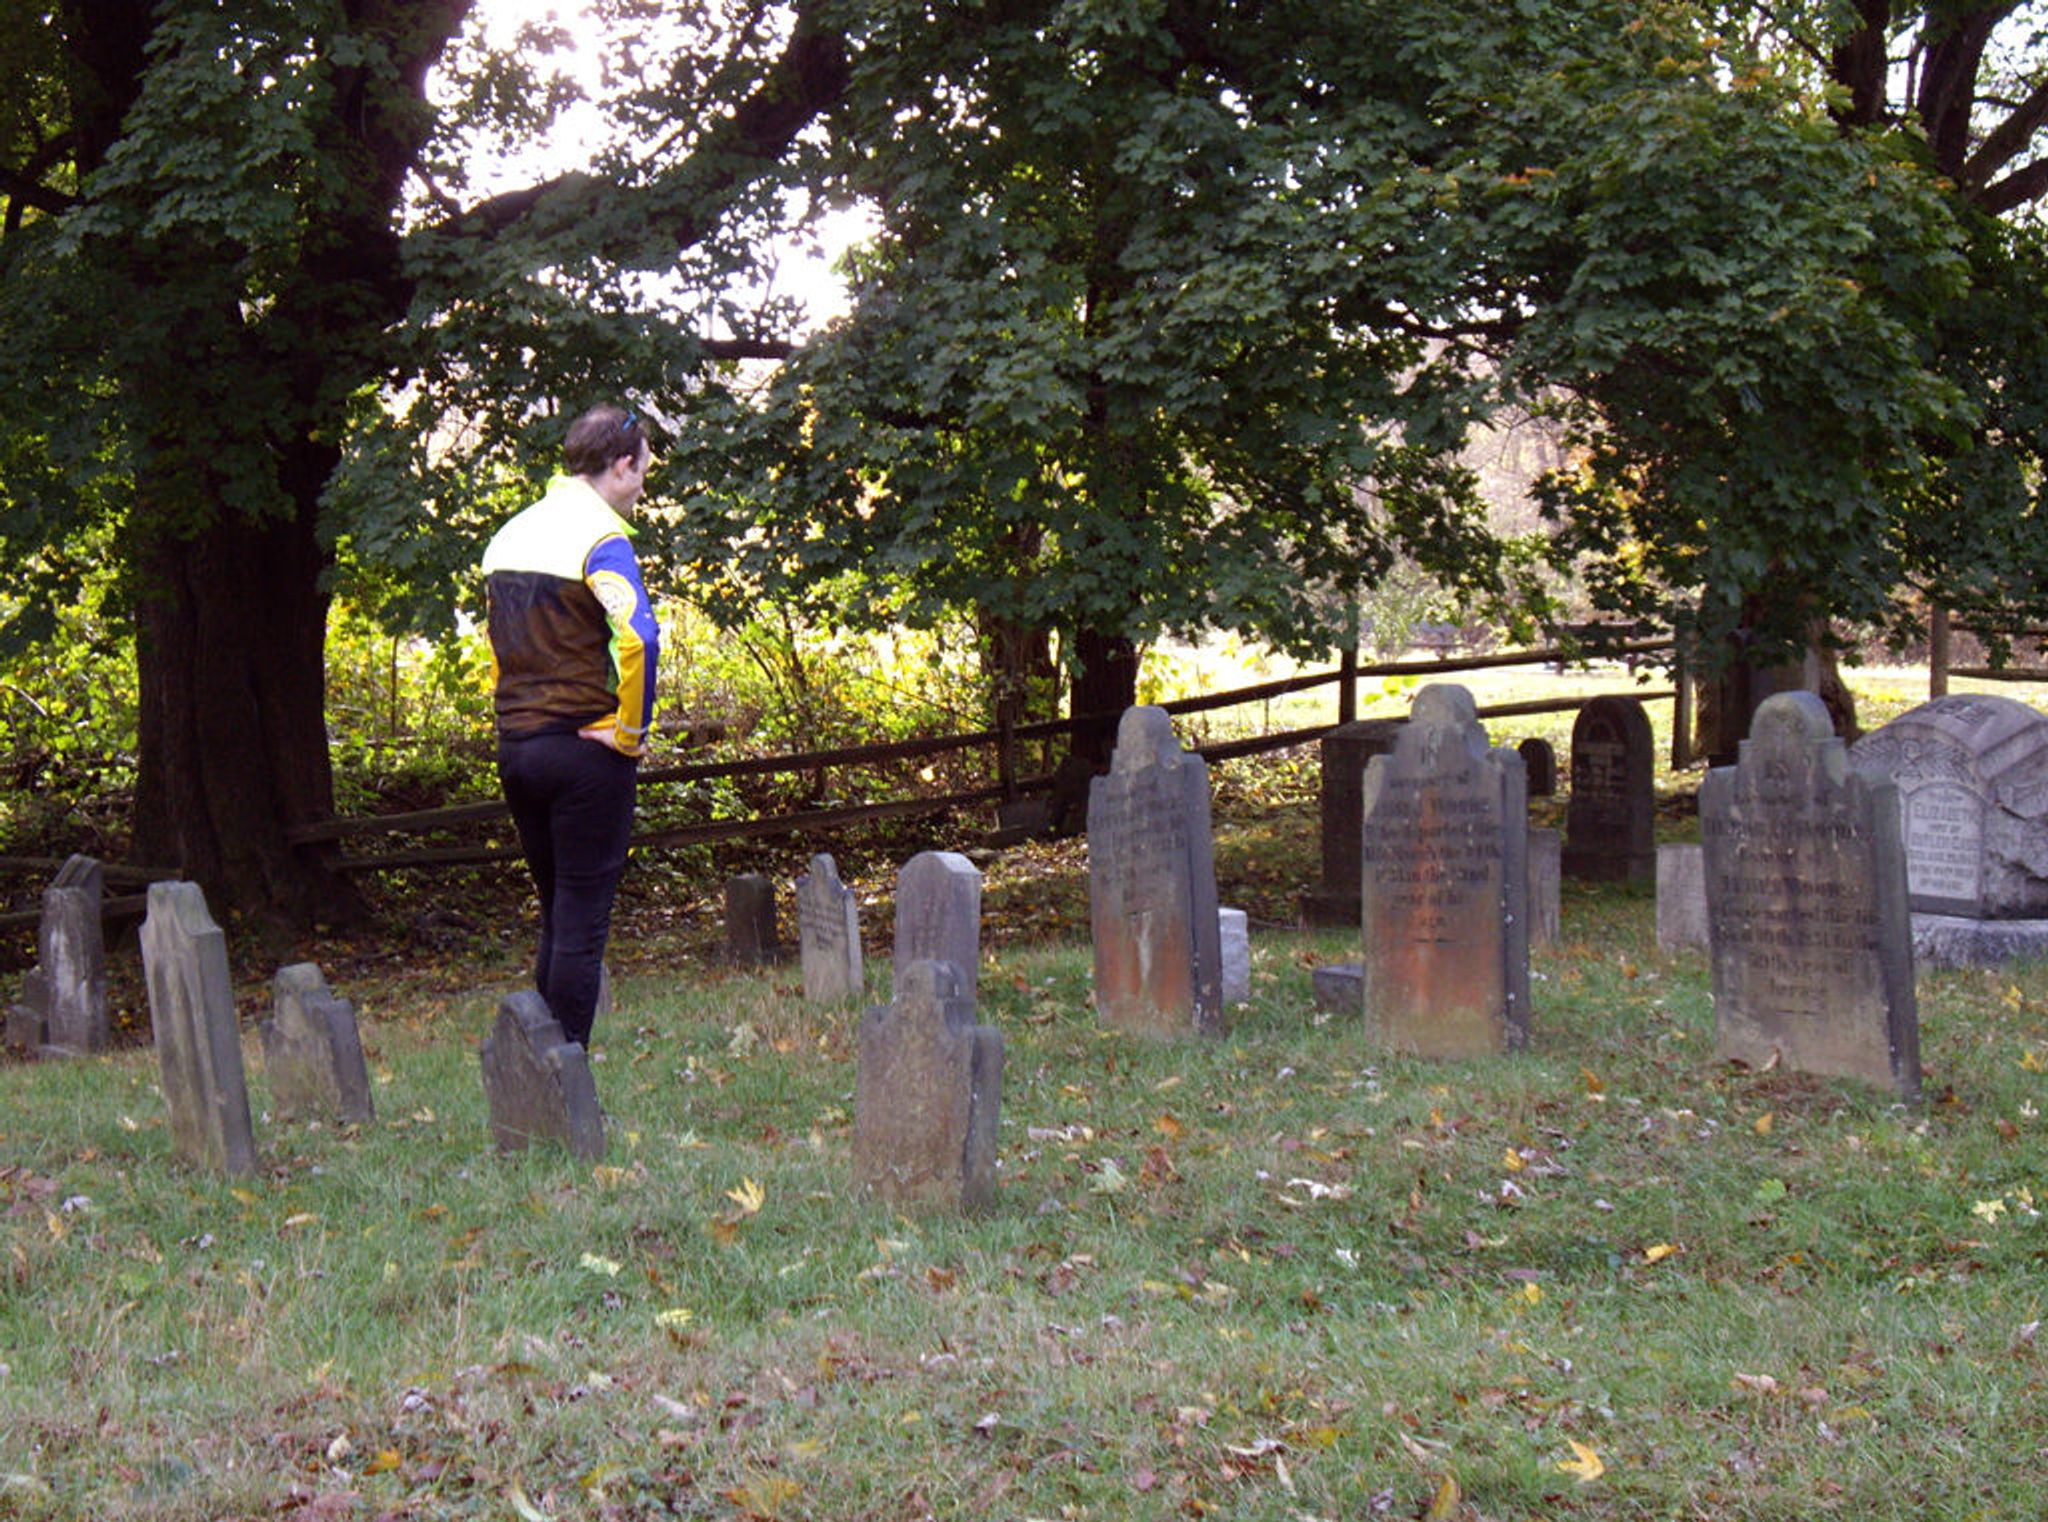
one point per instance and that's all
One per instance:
(1950, 940)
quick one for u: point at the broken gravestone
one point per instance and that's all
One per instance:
(828, 934)
(62, 1011)
(198, 1042)
(312, 1051)
(539, 1085)
(750, 935)
(927, 1096)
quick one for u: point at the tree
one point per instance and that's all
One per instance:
(233, 231)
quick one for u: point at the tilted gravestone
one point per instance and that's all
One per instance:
(1345, 752)
(927, 1096)
(1972, 775)
(938, 917)
(1609, 822)
(312, 1051)
(198, 1043)
(1446, 887)
(750, 935)
(63, 1007)
(539, 1085)
(1152, 885)
(828, 934)
(1807, 905)
(1681, 896)
(1539, 765)
(1234, 936)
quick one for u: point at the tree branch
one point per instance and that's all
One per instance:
(2015, 190)
(2008, 139)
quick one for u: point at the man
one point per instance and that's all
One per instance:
(574, 648)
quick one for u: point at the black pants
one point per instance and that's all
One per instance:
(572, 800)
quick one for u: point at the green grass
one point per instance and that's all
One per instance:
(1276, 1276)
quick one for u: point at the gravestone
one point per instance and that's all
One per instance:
(938, 917)
(1546, 890)
(750, 936)
(1681, 897)
(1234, 939)
(63, 1007)
(312, 1051)
(1446, 887)
(927, 1096)
(1539, 765)
(828, 933)
(198, 1043)
(1807, 904)
(1338, 988)
(538, 1084)
(1609, 830)
(1972, 775)
(1345, 751)
(1152, 885)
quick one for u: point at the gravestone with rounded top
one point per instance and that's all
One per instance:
(828, 933)
(1446, 887)
(312, 1051)
(938, 917)
(1345, 752)
(1152, 885)
(1539, 765)
(1812, 948)
(198, 1041)
(927, 1096)
(1609, 821)
(538, 1084)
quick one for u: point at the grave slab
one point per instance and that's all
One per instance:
(538, 1085)
(1681, 897)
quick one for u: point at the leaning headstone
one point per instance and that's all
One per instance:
(927, 1096)
(1806, 900)
(63, 1007)
(938, 917)
(1446, 887)
(828, 933)
(1681, 897)
(1972, 775)
(1233, 927)
(1609, 822)
(1152, 885)
(750, 936)
(538, 1084)
(312, 1051)
(198, 1042)
(1345, 751)
(1546, 891)
(1539, 763)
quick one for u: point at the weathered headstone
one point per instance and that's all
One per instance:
(1152, 885)
(198, 1042)
(539, 1085)
(927, 1096)
(938, 917)
(1681, 896)
(1446, 887)
(1539, 765)
(1806, 898)
(1546, 890)
(1972, 775)
(63, 1007)
(1609, 822)
(1338, 988)
(828, 933)
(1235, 941)
(750, 935)
(312, 1051)
(1345, 751)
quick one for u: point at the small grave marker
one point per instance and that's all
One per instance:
(750, 934)
(1234, 937)
(828, 934)
(927, 1096)
(1609, 822)
(198, 1042)
(538, 1084)
(312, 1051)
(1345, 752)
(62, 1011)
(1539, 764)
(1681, 896)
(938, 917)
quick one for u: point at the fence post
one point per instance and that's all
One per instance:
(1681, 717)
(1347, 686)
(1937, 652)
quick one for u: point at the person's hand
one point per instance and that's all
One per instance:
(604, 735)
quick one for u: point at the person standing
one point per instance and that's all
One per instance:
(574, 647)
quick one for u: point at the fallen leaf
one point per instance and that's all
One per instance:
(1762, 1124)
(1585, 1466)
(597, 1265)
(1443, 1506)
(750, 1196)
(1756, 1384)
(1659, 1252)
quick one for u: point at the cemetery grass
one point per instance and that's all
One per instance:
(1279, 1275)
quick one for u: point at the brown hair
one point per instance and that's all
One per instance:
(600, 436)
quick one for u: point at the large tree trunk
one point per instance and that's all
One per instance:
(231, 628)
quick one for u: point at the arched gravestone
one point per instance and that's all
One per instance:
(1609, 831)
(1972, 775)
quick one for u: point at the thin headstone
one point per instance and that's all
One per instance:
(313, 1052)
(828, 934)
(1610, 821)
(750, 936)
(1546, 891)
(1152, 885)
(1681, 897)
(1806, 897)
(1446, 887)
(938, 918)
(927, 1096)
(1345, 752)
(1539, 763)
(198, 1043)
(1235, 940)
(71, 950)
(538, 1084)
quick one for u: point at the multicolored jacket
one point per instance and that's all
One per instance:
(574, 644)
